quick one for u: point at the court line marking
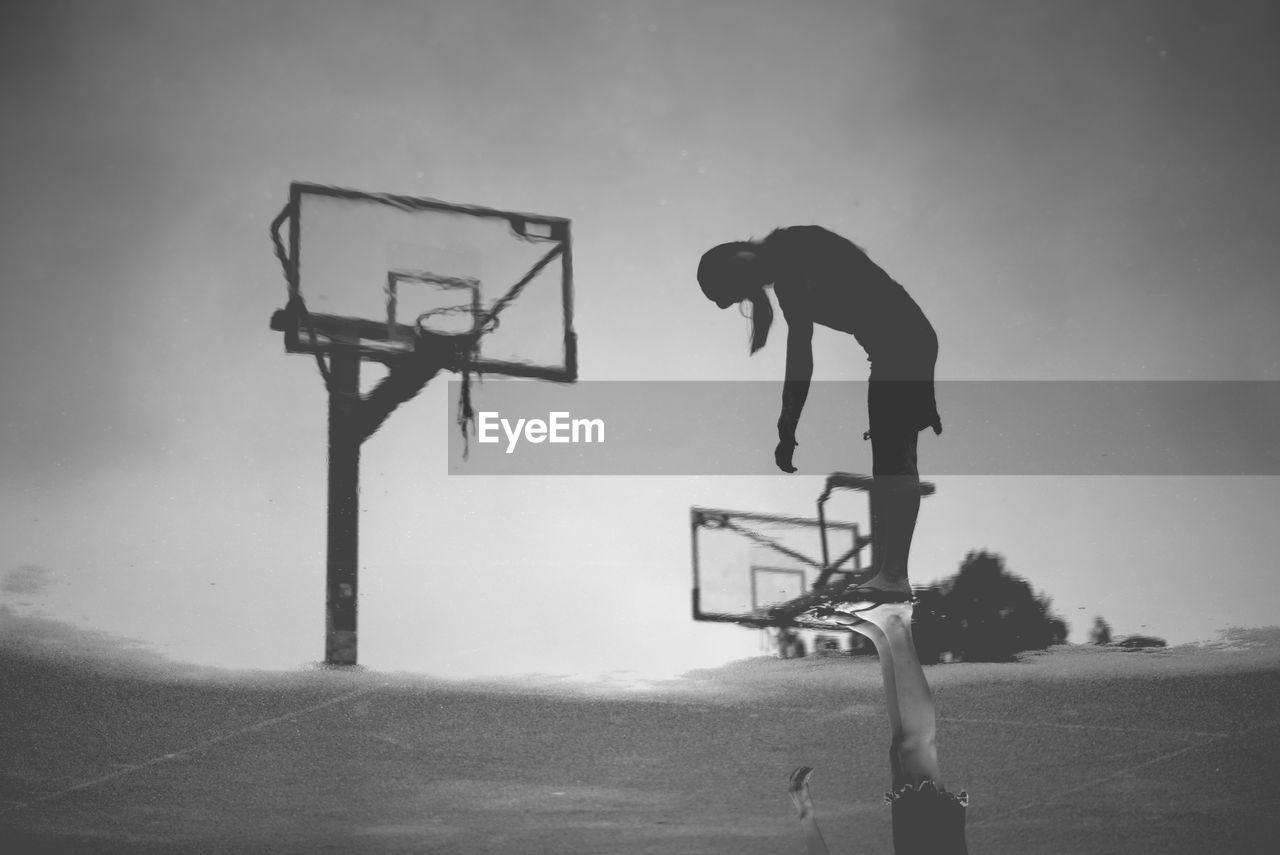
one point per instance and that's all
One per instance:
(129, 769)
(1080, 726)
(1011, 723)
(1127, 770)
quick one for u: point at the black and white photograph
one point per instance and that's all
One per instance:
(695, 427)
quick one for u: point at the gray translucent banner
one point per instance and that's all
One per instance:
(990, 428)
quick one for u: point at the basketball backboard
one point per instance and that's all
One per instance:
(748, 568)
(421, 286)
(765, 570)
(368, 272)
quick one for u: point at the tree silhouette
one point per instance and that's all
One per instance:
(1101, 633)
(984, 613)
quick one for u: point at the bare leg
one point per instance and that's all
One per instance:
(926, 818)
(895, 507)
(885, 655)
(917, 749)
(913, 754)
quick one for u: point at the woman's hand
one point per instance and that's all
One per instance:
(782, 454)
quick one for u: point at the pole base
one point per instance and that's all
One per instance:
(340, 647)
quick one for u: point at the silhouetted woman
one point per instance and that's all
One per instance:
(819, 277)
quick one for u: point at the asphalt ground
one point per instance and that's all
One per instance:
(1073, 751)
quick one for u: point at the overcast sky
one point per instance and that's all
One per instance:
(1071, 190)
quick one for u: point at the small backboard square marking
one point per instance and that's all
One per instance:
(772, 586)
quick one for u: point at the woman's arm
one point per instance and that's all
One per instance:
(795, 389)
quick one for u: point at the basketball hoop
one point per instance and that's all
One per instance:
(442, 342)
(400, 281)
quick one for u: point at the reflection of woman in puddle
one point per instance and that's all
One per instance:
(821, 278)
(927, 819)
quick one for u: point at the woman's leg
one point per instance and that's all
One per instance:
(913, 755)
(885, 655)
(917, 720)
(926, 818)
(895, 493)
(895, 508)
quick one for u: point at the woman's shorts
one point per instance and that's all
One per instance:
(900, 396)
(900, 403)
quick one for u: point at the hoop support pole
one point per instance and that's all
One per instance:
(342, 567)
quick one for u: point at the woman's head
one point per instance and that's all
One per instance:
(727, 273)
(733, 272)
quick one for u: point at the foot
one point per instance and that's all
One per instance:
(848, 606)
(871, 594)
(886, 616)
(829, 616)
(798, 787)
(877, 578)
(801, 604)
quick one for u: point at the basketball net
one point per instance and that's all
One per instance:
(456, 351)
